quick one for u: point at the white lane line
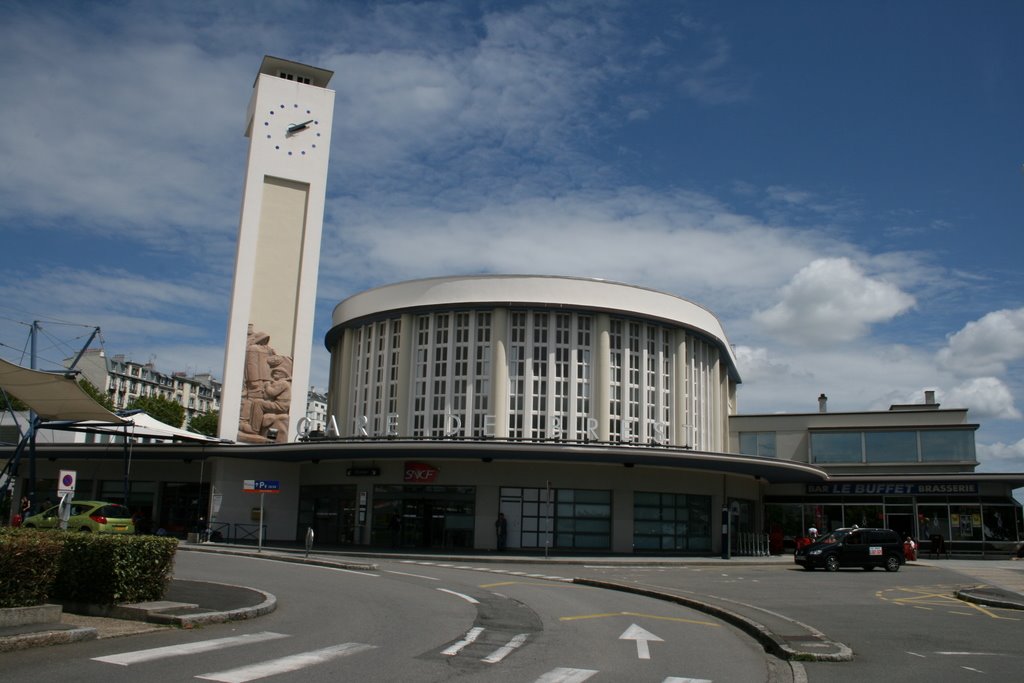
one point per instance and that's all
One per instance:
(674, 679)
(285, 664)
(317, 566)
(970, 654)
(416, 576)
(465, 597)
(337, 569)
(471, 636)
(566, 675)
(915, 654)
(126, 658)
(505, 650)
(979, 671)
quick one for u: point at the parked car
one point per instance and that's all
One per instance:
(87, 515)
(867, 548)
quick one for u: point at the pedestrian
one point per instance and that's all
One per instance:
(395, 525)
(909, 549)
(501, 530)
(26, 507)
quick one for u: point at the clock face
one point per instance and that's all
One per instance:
(292, 129)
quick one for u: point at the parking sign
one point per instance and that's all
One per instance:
(66, 482)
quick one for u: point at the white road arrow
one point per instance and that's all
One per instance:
(642, 637)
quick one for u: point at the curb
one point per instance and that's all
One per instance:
(972, 595)
(188, 621)
(282, 556)
(771, 642)
(25, 641)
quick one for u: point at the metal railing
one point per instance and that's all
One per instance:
(750, 544)
(248, 532)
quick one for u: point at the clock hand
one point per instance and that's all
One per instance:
(296, 127)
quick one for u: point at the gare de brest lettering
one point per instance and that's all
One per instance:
(455, 429)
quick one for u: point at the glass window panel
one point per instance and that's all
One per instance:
(529, 540)
(530, 509)
(593, 510)
(836, 446)
(748, 443)
(646, 528)
(593, 526)
(596, 542)
(957, 445)
(965, 522)
(999, 523)
(646, 543)
(593, 496)
(863, 515)
(933, 520)
(565, 510)
(646, 513)
(890, 446)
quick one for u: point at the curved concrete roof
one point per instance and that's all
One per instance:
(535, 291)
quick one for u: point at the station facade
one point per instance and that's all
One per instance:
(594, 416)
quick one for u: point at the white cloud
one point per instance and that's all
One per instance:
(986, 346)
(830, 301)
(986, 397)
(1001, 457)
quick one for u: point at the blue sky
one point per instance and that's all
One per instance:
(840, 183)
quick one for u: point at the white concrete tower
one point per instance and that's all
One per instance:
(270, 327)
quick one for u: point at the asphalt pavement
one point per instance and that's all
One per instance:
(191, 603)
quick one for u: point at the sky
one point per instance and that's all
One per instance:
(841, 184)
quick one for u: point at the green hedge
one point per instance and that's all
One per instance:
(106, 569)
(71, 566)
(28, 566)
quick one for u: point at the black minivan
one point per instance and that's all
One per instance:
(867, 548)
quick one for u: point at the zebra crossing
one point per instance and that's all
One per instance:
(302, 660)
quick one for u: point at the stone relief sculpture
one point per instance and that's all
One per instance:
(267, 391)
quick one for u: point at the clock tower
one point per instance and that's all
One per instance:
(270, 326)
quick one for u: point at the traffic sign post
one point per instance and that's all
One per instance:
(65, 492)
(261, 486)
(66, 482)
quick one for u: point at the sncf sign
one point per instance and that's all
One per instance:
(420, 472)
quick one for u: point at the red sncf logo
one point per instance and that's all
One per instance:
(420, 472)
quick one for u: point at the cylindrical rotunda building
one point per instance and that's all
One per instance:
(531, 358)
(592, 414)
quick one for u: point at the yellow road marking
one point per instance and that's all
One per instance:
(637, 614)
(937, 597)
(986, 612)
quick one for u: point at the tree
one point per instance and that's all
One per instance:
(101, 398)
(162, 409)
(205, 423)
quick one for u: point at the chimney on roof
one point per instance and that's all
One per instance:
(823, 404)
(929, 397)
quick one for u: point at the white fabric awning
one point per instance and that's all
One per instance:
(144, 426)
(52, 396)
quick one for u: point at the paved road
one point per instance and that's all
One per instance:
(414, 622)
(906, 626)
